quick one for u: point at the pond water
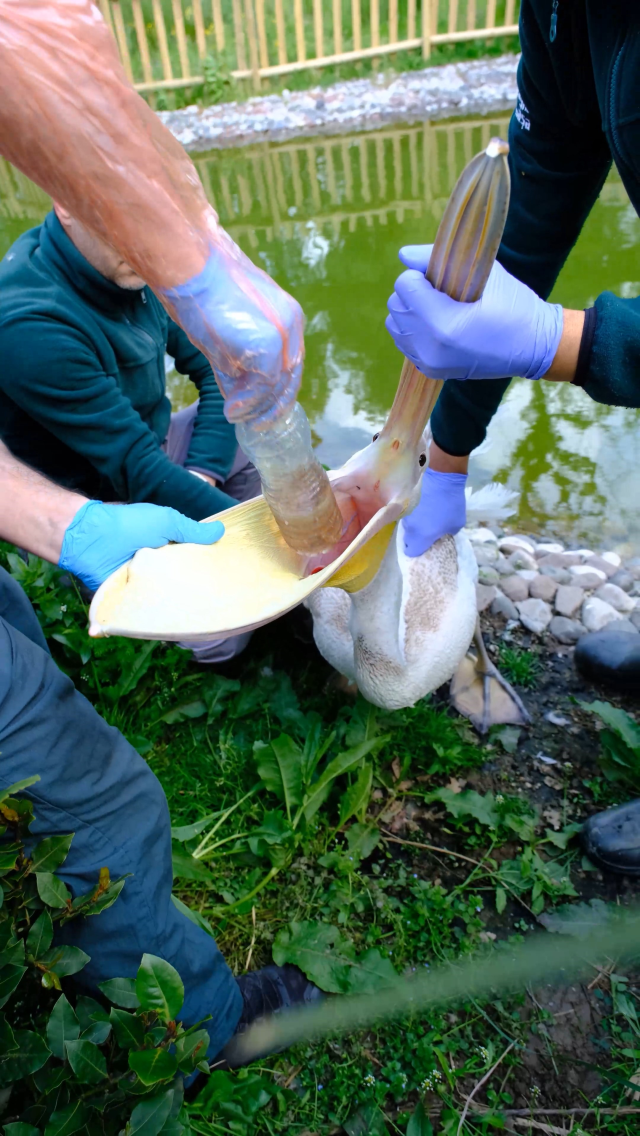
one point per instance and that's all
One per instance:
(326, 217)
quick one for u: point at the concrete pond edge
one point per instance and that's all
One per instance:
(472, 87)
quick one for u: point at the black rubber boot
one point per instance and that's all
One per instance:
(612, 839)
(265, 992)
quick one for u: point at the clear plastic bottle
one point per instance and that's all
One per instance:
(295, 485)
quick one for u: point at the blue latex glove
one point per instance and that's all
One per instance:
(248, 327)
(508, 331)
(441, 509)
(102, 537)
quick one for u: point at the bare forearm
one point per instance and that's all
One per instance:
(34, 513)
(563, 368)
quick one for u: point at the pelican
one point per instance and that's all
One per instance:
(402, 625)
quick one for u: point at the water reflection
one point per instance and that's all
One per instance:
(326, 218)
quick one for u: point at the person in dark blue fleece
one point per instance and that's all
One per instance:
(578, 110)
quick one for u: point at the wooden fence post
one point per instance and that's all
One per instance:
(426, 27)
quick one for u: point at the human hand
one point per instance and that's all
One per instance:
(508, 331)
(441, 509)
(102, 537)
(249, 328)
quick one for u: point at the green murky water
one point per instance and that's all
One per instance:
(326, 218)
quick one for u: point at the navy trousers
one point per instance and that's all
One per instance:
(94, 784)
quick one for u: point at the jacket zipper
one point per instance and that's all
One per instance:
(615, 137)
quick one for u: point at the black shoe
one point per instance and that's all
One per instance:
(612, 839)
(265, 992)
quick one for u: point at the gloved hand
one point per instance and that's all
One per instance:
(441, 509)
(102, 537)
(508, 331)
(248, 327)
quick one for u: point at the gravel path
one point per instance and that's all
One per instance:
(546, 586)
(482, 86)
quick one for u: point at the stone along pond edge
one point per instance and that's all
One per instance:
(473, 87)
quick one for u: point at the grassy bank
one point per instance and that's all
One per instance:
(310, 827)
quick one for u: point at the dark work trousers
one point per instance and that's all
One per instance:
(94, 784)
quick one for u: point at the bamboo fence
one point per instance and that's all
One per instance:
(163, 44)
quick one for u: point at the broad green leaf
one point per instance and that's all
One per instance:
(31, 1054)
(40, 935)
(89, 1012)
(8, 1043)
(191, 1049)
(121, 991)
(148, 1117)
(159, 987)
(578, 919)
(419, 1125)
(468, 803)
(501, 900)
(9, 978)
(361, 840)
(97, 1032)
(128, 1029)
(20, 1129)
(355, 799)
(187, 831)
(280, 767)
(87, 1062)
(50, 853)
(8, 857)
(133, 673)
(368, 1120)
(561, 839)
(67, 1120)
(153, 1065)
(330, 960)
(64, 960)
(186, 867)
(184, 710)
(63, 1026)
(18, 786)
(341, 764)
(617, 720)
(52, 891)
(193, 915)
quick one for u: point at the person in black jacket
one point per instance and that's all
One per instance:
(578, 110)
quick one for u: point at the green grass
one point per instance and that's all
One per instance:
(207, 738)
(520, 667)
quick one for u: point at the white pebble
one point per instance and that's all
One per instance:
(613, 558)
(584, 569)
(596, 614)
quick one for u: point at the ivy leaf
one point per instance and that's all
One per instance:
(63, 960)
(355, 799)
(30, 1055)
(40, 935)
(280, 767)
(159, 987)
(63, 1026)
(153, 1065)
(148, 1117)
(9, 978)
(50, 853)
(121, 991)
(87, 1062)
(330, 960)
(52, 891)
(419, 1125)
(129, 1029)
(67, 1120)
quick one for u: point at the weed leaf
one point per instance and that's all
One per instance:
(578, 918)
(468, 803)
(329, 959)
(280, 767)
(355, 799)
(419, 1125)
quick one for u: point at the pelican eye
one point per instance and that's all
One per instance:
(422, 460)
(375, 437)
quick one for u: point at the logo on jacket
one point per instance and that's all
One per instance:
(522, 114)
